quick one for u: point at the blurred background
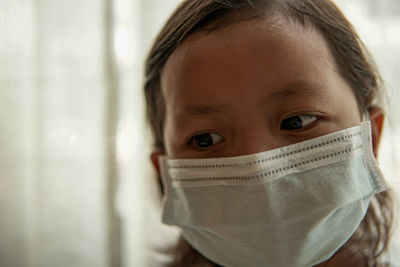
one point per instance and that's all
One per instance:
(76, 185)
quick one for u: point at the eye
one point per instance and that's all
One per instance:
(297, 122)
(206, 140)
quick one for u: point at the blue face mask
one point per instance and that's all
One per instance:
(292, 206)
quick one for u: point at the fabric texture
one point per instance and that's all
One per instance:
(291, 206)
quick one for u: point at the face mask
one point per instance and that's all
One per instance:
(291, 206)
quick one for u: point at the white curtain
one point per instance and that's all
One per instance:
(76, 185)
(54, 126)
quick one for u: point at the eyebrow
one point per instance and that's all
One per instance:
(298, 87)
(199, 110)
(295, 88)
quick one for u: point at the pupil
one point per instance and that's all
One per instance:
(203, 140)
(292, 123)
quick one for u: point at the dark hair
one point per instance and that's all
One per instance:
(352, 58)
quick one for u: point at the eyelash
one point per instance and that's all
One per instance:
(307, 122)
(211, 136)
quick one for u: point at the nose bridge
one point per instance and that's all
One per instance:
(254, 139)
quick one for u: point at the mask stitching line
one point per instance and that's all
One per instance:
(291, 153)
(268, 173)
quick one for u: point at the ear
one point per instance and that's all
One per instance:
(154, 160)
(377, 118)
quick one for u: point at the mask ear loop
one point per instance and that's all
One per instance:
(365, 116)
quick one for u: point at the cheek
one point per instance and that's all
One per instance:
(168, 134)
(348, 110)
(172, 138)
(170, 126)
(344, 101)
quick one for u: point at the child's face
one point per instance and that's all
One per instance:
(251, 87)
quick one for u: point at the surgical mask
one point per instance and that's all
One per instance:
(292, 206)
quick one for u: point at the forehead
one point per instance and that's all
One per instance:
(257, 46)
(253, 56)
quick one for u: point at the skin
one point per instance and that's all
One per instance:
(238, 84)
